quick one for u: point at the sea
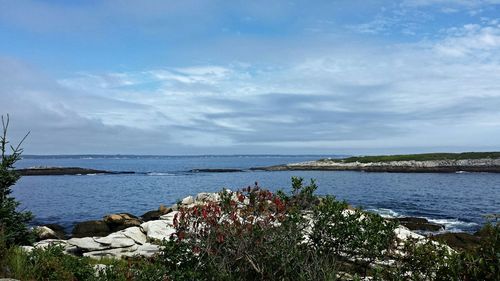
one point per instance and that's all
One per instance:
(457, 200)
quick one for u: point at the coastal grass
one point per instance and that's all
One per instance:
(418, 157)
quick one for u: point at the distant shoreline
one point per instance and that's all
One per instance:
(412, 163)
(59, 171)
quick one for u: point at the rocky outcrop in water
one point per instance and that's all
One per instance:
(59, 171)
(411, 166)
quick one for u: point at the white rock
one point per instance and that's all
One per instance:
(116, 240)
(87, 244)
(207, 197)
(27, 249)
(159, 229)
(44, 232)
(113, 253)
(148, 250)
(50, 242)
(404, 234)
(169, 217)
(188, 200)
(135, 233)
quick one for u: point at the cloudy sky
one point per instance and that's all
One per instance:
(248, 77)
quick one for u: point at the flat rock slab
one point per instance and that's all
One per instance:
(87, 244)
(148, 250)
(158, 230)
(116, 240)
(135, 233)
(113, 253)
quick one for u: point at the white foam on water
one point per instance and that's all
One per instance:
(454, 225)
(385, 213)
(159, 174)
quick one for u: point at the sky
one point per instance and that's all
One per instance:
(251, 77)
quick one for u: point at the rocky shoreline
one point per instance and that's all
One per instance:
(410, 166)
(125, 235)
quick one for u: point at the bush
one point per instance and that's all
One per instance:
(253, 234)
(350, 234)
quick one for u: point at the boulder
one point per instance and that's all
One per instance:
(116, 240)
(158, 230)
(156, 214)
(458, 241)
(403, 234)
(87, 244)
(169, 217)
(58, 229)
(420, 224)
(43, 233)
(135, 233)
(121, 221)
(188, 200)
(207, 197)
(91, 228)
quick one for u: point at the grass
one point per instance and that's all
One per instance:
(419, 157)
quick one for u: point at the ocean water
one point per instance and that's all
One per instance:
(458, 201)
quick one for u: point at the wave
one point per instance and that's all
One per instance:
(450, 225)
(385, 213)
(455, 225)
(159, 174)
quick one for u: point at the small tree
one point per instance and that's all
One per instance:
(13, 223)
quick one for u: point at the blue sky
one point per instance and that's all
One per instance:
(246, 77)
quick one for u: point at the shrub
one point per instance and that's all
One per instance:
(251, 234)
(352, 235)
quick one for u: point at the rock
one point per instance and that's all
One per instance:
(58, 229)
(121, 221)
(91, 228)
(151, 215)
(421, 224)
(458, 241)
(50, 242)
(169, 217)
(188, 200)
(156, 214)
(43, 233)
(135, 233)
(87, 244)
(8, 279)
(116, 240)
(207, 197)
(403, 234)
(148, 250)
(27, 249)
(99, 268)
(113, 253)
(163, 210)
(158, 230)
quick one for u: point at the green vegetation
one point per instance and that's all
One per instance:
(13, 223)
(419, 157)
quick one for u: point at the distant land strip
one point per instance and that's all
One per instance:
(410, 163)
(58, 171)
